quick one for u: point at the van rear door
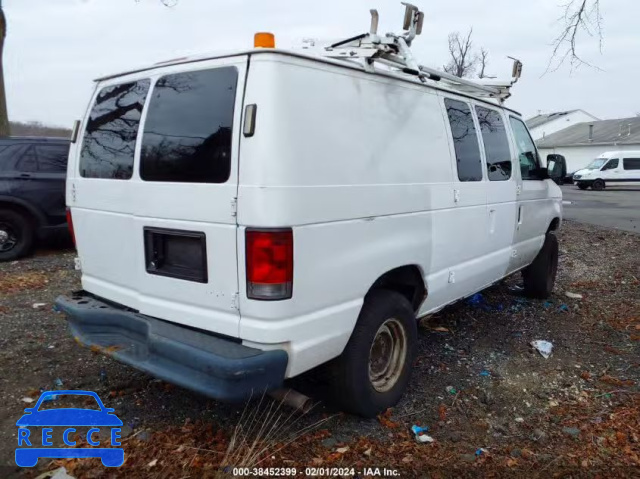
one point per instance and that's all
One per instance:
(153, 189)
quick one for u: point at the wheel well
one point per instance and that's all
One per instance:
(406, 280)
(555, 224)
(18, 208)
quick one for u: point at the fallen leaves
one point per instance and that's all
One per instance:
(95, 348)
(18, 282)
(442, 412)
(616, 382)
(385, 419)
(612, 350)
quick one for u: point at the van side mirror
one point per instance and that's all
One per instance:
(556, 167)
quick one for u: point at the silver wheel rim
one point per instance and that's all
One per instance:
(8, 239)
(387, 355)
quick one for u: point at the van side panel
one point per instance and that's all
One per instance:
(360, 167)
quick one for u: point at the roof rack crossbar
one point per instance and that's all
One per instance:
(394, 51)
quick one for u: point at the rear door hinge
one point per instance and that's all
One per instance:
(235, 302)
(456, 196)
(234, 207)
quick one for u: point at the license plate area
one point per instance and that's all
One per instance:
(176, 254)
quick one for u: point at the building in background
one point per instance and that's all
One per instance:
(582, 143)
(546, 124)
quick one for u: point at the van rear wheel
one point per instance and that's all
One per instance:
(540, 276)
(372, 373)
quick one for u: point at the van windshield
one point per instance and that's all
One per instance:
(596, 164)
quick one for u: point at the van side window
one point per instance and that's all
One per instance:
(496, 144)
(612, 165)
(465, 140)
(110, 139)
(631, 163)
(527, 153)
(187, 133)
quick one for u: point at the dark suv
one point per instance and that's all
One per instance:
(32, 199)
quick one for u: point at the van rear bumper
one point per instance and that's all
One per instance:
(216, 367)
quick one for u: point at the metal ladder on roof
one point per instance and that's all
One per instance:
(394, 51)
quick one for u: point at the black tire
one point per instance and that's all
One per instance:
(582, 186)
(17, 235)
(540, 276)
(598, 185)
(354, 389)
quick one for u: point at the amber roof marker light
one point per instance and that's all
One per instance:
(264, 40)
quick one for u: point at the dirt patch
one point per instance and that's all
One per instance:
(493, 404)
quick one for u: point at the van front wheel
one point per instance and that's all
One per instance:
(373, 371)
(598, 185)
(540, 276)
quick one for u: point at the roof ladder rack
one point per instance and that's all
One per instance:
(394, 51)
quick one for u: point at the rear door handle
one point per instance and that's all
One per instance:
(25, 175)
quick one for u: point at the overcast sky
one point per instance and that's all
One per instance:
(55, 48)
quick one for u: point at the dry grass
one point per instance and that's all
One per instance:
(263, 431)
(265, 428)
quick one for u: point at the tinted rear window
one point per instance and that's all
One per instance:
(187, 133)
(52, 158)
(9, 154)
(27, 162)
(110, 139)
(465, 140)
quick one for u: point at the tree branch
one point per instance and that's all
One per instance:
(580, 16)
(463, 61)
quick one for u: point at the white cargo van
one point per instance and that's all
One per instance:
(243, 218)
(610, 168)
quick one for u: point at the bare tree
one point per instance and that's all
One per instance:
(463, 60)
(579, 17)
(484, 61)
(4, 116)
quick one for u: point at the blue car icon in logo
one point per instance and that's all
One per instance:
(67, 418)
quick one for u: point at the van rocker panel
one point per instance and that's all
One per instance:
(216, 367)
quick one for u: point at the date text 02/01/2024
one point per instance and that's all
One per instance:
(312, 472)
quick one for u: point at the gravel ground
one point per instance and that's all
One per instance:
(477, 382)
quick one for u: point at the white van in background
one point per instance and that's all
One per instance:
(610, 168)
(243, 218)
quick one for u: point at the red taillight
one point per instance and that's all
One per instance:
(70, 225)
(269, 264)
